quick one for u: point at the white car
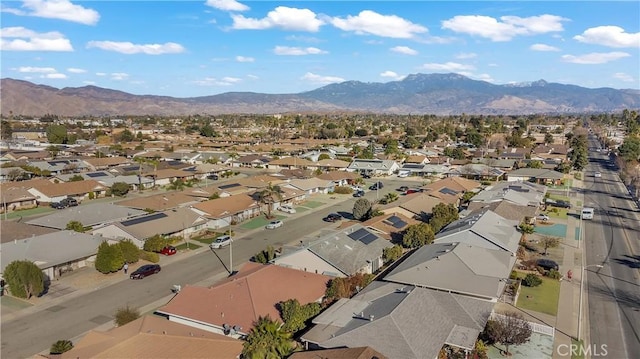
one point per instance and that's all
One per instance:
(542, 217)
(287, 209)
(220, 242)
(597, 175)
(274, 224)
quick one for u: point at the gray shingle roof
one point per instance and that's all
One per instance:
(483, 228)
(89, 215)
(402, 321)
(540, 173)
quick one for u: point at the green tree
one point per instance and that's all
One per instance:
(549, 242)
(362, 209)
(155, 243)
(345, 287)
(295, 315)
(389, 197)
(56, 134)
(630, 148)
(324, 156)
(392, 254)
(119, 189)
(411, 142)
(130, 252)
(76, 178)
(361, 132)
(417, 235)
(53, 151)
(6, 131)
(24, 278)
(531, 280)
(548, 138)
(125, 136)
(442, 214)
(534, 164)
(267, 340)
(61, 346)
(270, 195)
(265, 256)
(109, 258)
(126, 315)
(526, 228)
(466, 197)
(75, 226)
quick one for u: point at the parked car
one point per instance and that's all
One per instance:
(57, 205)
(375, 186)
(213, 177)
(547, 264)
(413, 190)
(597, 175)
(332, 217)
(542, 217)
(287, 209)
(358, 193)
(169, 251)
(562, 204)
(403, 174)
(403, 188)
(366, 176)
(220, 242)
(69, 202)
(145, 270)
(274, 224)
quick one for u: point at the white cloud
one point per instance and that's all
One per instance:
(54, 76)
(244, 59)
(483, 77)
(623, 77)
(101, 74)
(212, 81)
(23, 39)
(297, 51)
(130, 48)
(309, 39)
(252, 77)
(466, 55)
(285, 18)
(504, 29)
(594, 58)
(543, 47)
(119, 76)
(227, 5)
(57, 9)
(318, 79)
(370, 22)
(448, 66)
(612, 36)
(392, 75)
(404, 50)
(76, 71)
(38, 70)
(231, 80)
(89, 82)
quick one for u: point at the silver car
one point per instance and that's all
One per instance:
(220, 242)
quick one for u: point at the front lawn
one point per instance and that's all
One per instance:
(183, 246)
(560, 213)
(558, 197)
(543, 298)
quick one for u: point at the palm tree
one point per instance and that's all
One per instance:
(269, 196)
(267, 341)
(61, 346)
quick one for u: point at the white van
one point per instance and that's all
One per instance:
(587, 213)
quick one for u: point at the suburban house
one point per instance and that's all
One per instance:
(332, 165)
(451, 189)
(400, 321)
(232, 306)
(94, 175)
(537, 175)
(44, 251)
(15, 197)
(15, 173)
(505, 209)
(515, 153)
(105, 163)
(160, 202)
(93, 215)
(60, 166)
(164, 177)
(342, 253)
(290, 162)
(13, 230)
(389, 226)
(180, 222)
(340, 353)
(477, 171)
(48, 192)
(311, 185)
(501, 164)
(374, 167)
(255, 161)
(339, 178)
(519, 193)
(225, 211)
(417, 159)
(152, 336)
(415, 205)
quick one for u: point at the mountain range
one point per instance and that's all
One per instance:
(439, 94)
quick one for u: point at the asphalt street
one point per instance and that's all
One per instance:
(612, 239)
(33, 333)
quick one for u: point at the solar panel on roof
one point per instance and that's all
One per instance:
(357, 235)
(393, 219)
(399, 224)
(96, 174)
(143, 219)
(131, 168)
(413, 166)
(368, 238)
(446, 190)
(229, 185)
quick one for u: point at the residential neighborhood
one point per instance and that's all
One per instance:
(363, 247)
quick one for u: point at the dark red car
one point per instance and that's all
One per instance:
(145, 270)
(168, 251)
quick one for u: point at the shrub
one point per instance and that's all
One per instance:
(61, 346)
(342, 190)
(149, 256)
(126, 315)
(532, 280)
(513, 275)
(130, 251)
(155, 243)
(553, 274)
(24, 278)
(109, 258)
(92, 195)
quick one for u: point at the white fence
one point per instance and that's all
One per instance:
(535, 327)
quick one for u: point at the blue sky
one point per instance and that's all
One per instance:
(207, 47)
